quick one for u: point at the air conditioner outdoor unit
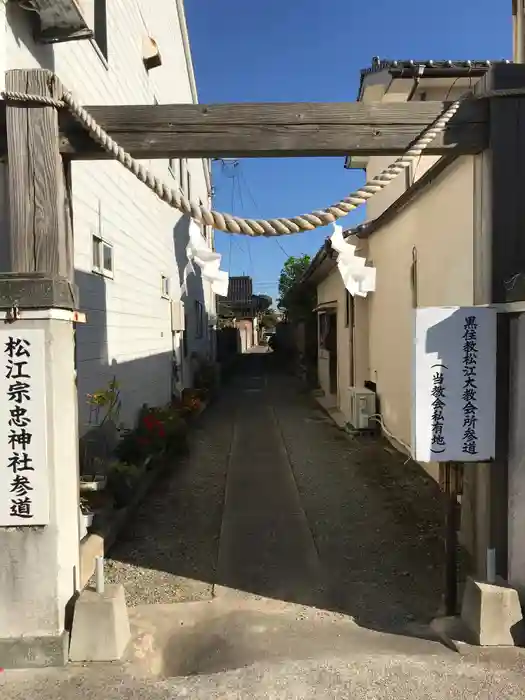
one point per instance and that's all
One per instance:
(362, 406)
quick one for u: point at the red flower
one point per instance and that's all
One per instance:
(149, 421)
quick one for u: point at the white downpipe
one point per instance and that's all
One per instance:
(191, 76)
(3, 43)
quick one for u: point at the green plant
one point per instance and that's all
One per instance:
(107, 401)
(129, 472)
(122, 479)
(85, 508)
(131, 449)
(206, 375)
(168, 427)
(293, 270)
(176, 429)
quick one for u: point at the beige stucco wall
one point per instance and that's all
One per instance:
(332, 290)
(382, 200)
(439, 225)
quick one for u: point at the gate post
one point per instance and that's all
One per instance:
(39, 490)
(490, 499)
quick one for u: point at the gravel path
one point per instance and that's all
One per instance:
(169, 553)
(373, 522)
(375, 519)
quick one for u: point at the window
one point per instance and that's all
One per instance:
(96, 253)
(183, 176)
(198, 319)
(181, 173)
(327, 331)
(174, 169)
(102, 253)
(100, 30)
(164, 286)
(323, 330)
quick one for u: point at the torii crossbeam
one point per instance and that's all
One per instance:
(272, 129)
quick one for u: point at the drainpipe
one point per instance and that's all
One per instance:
(206, 163)
(518, 10)
(3, 43)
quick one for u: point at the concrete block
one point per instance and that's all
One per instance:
(101, 629)
(492, 614)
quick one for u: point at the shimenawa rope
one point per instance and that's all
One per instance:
(235, 224)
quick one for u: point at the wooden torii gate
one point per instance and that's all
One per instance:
(38, 281)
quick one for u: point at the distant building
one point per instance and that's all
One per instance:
(242, 307)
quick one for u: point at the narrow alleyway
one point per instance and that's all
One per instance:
(275, 500)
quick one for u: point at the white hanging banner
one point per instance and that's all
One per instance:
(358, 279)
(454, 384)
(208, 260)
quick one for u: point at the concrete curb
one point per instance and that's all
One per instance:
(98, 544)
(451, 632)
(334, 413)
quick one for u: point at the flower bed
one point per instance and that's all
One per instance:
(159, 436)
(158, 440)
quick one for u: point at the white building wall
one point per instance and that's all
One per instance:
(128, 332)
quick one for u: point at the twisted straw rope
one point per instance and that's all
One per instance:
(235, 224)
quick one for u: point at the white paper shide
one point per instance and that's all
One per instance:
(454, 384)
(24, 486)
(207, 259)
(358, 278)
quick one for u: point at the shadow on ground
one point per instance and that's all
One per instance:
(274, 500)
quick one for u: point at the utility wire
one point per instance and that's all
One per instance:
(240, 178)
(281, 247)
(247, 186)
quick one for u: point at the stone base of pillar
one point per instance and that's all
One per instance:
(492, 614)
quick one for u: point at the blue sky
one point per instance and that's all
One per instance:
(312, 51)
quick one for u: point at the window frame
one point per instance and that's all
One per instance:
(188, 182)
(174, 168)
(98, 267)
(322, 328)
(165, 286)
(183, 170)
